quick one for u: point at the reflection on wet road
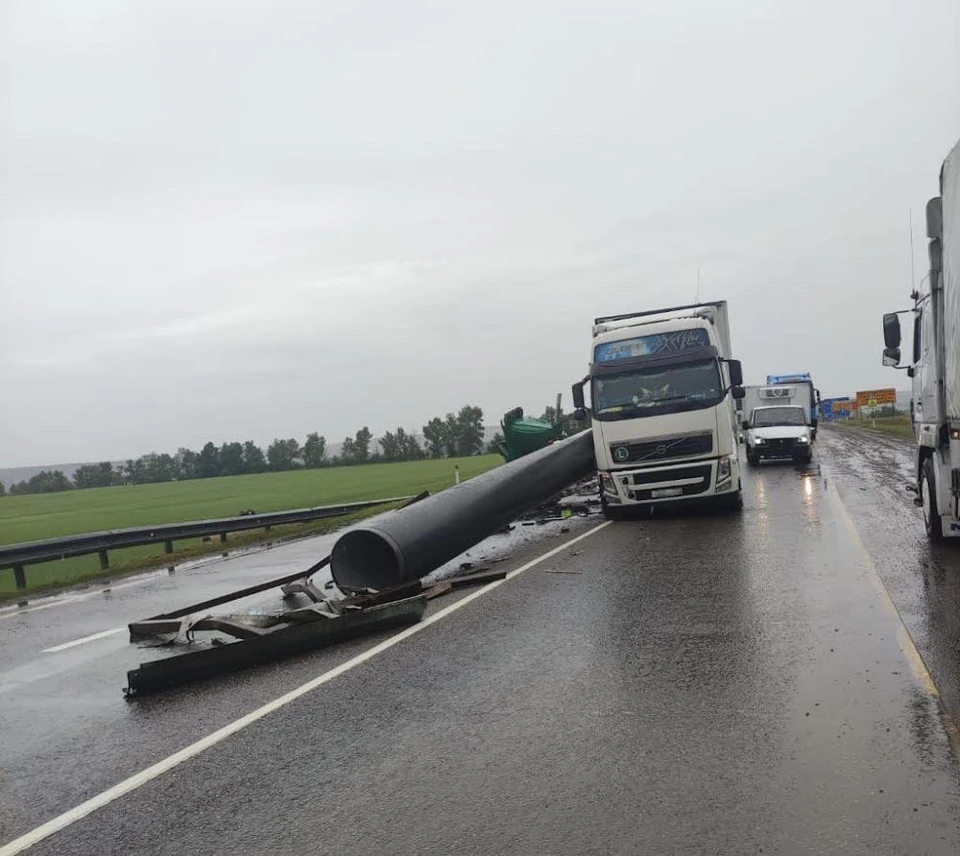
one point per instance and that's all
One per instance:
(688, 684)
(870, 472)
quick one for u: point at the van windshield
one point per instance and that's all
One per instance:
(658, 389)
(768, 416)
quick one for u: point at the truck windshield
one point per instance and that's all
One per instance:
(660, 389)
(768, 416)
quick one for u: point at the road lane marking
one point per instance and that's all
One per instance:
(103, 634)
(73, 598)
(917, 664)
(57, 824)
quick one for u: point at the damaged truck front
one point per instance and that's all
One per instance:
(663, 389)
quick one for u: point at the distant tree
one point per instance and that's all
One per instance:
(3, 490)
(46, 481)
(436, 435)
(132, 471)
(550, 414)
(494, 446)
(164, 468)
(314, 451)
(283, 455)
(208, 462)
(253, 460)
(400, 446)
(410, 448)
(94, 475)
(348, 451)
(186, 464)
(453, 428)
(469, 438)
(391, 448)
(361, 445)
(231, 459)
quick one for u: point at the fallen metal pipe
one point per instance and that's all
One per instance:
(409, 543)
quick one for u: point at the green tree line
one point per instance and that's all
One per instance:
(456, 434)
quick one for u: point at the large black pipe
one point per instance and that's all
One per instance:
(409, 543)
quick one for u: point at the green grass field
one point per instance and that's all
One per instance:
(31, 518)
(896, 426)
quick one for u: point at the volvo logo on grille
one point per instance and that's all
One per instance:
(660, 450)
(621, 453)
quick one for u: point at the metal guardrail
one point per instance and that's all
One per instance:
(18, 556)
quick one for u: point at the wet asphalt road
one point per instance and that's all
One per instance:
(699, 684)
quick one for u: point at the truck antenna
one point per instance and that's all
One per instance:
(913, 276)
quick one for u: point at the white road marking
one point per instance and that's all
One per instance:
(103, 634)
(73, 598)
(35, 836)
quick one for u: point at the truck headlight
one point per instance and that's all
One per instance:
(608, 487)
(723, 470)
(803, 439)
(758, 441)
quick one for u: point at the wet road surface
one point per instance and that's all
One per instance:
(870, 472)
(720, 684)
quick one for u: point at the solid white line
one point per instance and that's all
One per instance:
(103, 634)
(66, 600)
(18, 845)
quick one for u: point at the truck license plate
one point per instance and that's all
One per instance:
(666, 491)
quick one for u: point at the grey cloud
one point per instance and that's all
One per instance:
(251, 219)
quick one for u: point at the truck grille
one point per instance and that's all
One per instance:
(662, 449)
(704, 472)
(780, 446)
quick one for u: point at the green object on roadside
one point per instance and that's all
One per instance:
(523, 435)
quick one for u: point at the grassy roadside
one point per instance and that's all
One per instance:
(28, 518)
(895, 426)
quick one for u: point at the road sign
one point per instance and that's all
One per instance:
(876, 397)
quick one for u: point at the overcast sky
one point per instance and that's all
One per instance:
(255, 219)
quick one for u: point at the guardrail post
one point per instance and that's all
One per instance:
(168, 546)
(223, 537)
(104, 560)
(20, 576)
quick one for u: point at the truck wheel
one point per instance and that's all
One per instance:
(731, 502)
(612, 512)
(928, 495)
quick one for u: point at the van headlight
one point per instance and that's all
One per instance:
(723, 470)
(758, 441)
(803, 439)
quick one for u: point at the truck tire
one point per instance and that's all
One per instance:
(731, 502)
(612, 512)
(928, 495)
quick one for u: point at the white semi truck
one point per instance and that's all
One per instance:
(934, 364)
(663, 387)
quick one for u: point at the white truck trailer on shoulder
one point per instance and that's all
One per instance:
(934, 365)
(663, 388)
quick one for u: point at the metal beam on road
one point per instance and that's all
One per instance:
(411, 542)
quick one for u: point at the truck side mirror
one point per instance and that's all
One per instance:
(580, 414)
(736, 373)
(738, 393)
(891, 357)
(577, 390)
(891, 332)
